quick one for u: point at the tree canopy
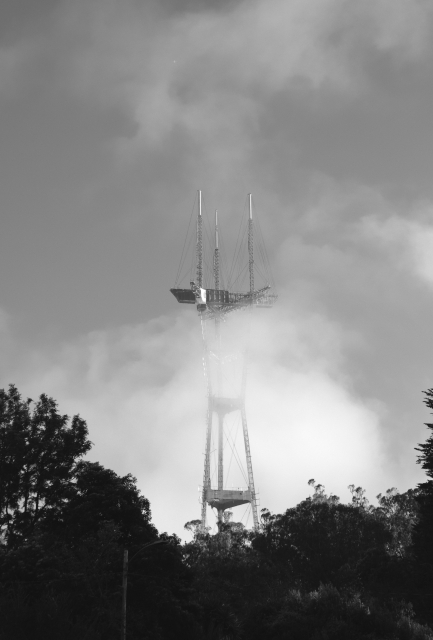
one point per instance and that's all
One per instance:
(40, 450)
(64, 524)
(319, 570)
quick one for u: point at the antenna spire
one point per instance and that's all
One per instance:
(216, 259)
(199, 245)
(251, 244)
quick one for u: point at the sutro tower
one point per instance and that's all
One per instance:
(213, 305)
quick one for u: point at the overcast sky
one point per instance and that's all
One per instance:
(112, 115)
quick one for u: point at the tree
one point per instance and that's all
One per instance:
(399, 513)
(321, 541)
(328, 612)
(425, 459)
(65, 523)
(423, 529)
(229, 577)
(97, 496)
(39, 455)
(319, 570)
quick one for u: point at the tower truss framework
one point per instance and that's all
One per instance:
(214, 306)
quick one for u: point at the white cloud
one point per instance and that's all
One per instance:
(306, 419)
(421, 244)
(407, 240)
(141, 390)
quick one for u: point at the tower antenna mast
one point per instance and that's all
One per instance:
(218, 410)
(199, 245)
(251, 244)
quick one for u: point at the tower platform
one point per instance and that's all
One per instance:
(222, 499)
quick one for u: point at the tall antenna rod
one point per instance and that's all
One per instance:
(251, 245)
(220, 414)
(216, 259)
(199, 246)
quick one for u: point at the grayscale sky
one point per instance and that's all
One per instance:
(112, 115)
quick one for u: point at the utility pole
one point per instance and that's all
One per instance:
(124, 588)
(125, 581)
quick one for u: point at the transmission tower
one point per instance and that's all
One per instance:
(213, 305)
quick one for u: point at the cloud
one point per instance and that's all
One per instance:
(421, 239)
(307, 419)
(142, 392)
(140, 389)
(204, 83)
(213, 75)
(362, 262)
(402, 26)
(407, 237)
(355, 229)
(212, 72)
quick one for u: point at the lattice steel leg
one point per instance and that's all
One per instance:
(206, 474)
(249, 468)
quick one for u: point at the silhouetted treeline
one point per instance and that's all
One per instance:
(320, 570)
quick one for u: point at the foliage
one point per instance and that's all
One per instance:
(319, 496)
(79, 589)
(399, 513)
(321, 570)
(328, 613)
(423, 529)
(65, 522)
(259, 585)
(39, 453)
(425, 459)
(99, 495)
(320, 541)
(228, 578)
